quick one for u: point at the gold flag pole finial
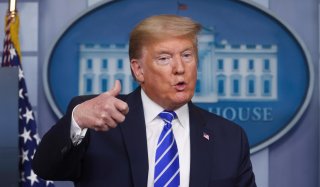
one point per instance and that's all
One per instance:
(12, 23)
(12, 7)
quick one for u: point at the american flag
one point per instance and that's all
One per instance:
(28, 136)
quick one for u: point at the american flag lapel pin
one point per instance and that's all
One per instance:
(206, 135)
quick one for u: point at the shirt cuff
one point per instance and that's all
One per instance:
(76, 133)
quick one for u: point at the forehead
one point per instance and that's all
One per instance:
(170, 45)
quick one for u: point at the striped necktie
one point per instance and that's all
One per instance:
(167, 172)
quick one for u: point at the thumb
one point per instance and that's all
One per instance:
(116, 88)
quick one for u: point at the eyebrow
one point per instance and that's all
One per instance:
(189, 48)
(164, 51)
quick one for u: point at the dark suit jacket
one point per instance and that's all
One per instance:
(119, 157)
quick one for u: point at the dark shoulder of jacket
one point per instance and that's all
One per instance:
(209, 116)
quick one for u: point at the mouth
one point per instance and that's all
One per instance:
(180, 86)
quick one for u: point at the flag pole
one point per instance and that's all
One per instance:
(12, 25)
(12, 5)
(12, 8)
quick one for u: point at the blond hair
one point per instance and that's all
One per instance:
(156, 28)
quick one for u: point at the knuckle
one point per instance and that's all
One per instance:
(103, 116)
(108, 108)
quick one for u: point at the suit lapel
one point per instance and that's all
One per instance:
(134, 133)
(201, 153)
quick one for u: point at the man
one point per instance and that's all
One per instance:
(127, 140)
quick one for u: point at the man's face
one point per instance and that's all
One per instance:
(167, 71)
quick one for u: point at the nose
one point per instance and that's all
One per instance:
(178, 65)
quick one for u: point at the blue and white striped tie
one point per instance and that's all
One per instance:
(167, 172)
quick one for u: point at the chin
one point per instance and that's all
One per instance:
(183, 99)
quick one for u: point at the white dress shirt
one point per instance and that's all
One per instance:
(154, 125)
(181, 131)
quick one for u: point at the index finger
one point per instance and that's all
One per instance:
(122, 107)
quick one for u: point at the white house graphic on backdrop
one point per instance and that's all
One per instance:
(237, 72)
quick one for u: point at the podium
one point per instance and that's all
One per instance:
(9, 132)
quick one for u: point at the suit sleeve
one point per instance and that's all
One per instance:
(246, 176)
(56, 157)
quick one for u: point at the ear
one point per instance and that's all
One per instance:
(137, 70)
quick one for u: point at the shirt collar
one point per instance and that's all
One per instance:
(152, 109)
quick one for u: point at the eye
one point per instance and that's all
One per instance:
(187, 56)
(163, 59)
